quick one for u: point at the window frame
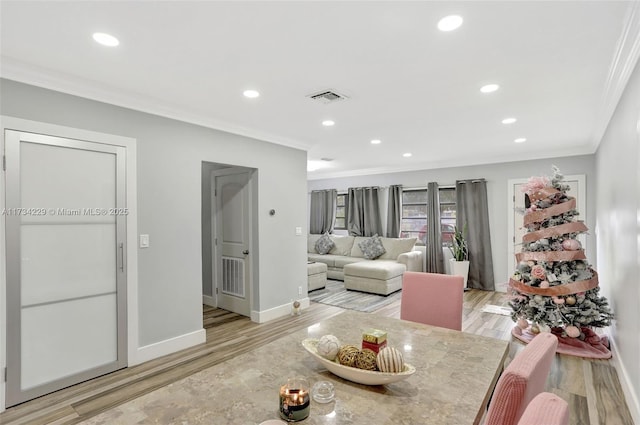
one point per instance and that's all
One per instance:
(444, 221)
(345, 195)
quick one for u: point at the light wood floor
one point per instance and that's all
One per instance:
(591, 387)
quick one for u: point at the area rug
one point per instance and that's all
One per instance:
(335, 294)
(593, 347)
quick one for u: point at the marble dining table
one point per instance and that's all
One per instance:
(455, 376)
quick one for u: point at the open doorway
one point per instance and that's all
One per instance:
(229, 195)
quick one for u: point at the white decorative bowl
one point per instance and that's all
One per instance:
(360, 376)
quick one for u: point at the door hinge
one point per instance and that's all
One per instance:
(215, 241)
(5, 374)
(216, 291)
(4, 163)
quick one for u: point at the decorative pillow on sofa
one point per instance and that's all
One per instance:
(372, 248)
(324, 244)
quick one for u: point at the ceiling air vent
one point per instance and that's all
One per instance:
(327, 96)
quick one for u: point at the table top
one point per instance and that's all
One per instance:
(455, 375)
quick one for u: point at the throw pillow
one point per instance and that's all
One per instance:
(324, 244)
(372, 248)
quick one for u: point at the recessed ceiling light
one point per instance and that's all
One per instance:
(450, 23)
(520, 140)
(251, 93)
(509, 120)
(489, 88)
(105, 39)
(328, 123)
(376, 141)
(407, 155)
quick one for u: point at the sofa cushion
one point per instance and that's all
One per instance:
(372, 247)
(342, 261)
(328, 259)
(382, 270)
(324, 244)
(342, 246)
(311, 242)
(356, 251)
(396, 246)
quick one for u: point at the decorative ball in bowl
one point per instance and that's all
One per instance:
(353, 374)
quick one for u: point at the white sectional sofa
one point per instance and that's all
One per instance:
(381, 276)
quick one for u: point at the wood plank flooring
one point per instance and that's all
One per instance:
(591, 387)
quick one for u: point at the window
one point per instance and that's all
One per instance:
(414, 214)
(341, 212)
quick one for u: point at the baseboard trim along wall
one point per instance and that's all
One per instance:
(169, 346)
(625, 382)
(274, 313)
(208, 300)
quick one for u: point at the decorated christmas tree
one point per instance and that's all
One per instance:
(554, 288)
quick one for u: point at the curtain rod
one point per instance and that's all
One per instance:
(440, 186)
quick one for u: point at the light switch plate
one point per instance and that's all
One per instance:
(144, 241)
(298, 231)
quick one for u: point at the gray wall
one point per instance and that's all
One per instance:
(618, 231)
(169, 173)
(497, 176)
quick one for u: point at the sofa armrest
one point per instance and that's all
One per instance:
(412, 260)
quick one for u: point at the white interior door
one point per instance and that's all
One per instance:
(66, 279)
(231, 242)
(516, 219)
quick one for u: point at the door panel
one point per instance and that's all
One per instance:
(66, 280)
(232, 234)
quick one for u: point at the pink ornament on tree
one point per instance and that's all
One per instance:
(523, 323)
(571, 245)
(544, 284)
(558, 301)
(538, 272)
(572, 331)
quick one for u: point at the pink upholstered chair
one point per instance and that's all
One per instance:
(433, 299)
(522, 380)
(547, 409)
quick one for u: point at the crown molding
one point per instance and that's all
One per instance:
(624, 62)
(22, 72)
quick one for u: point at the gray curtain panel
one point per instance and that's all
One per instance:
(394, 211)
(434, 258)
(473, 210)
(323, 211)
(363, 217)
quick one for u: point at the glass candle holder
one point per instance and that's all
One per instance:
(295, 402)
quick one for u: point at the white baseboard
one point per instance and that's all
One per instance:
(625, 382)
(162, 348)
(274, 313)
(209, 300)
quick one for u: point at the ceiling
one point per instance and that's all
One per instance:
(561, 67)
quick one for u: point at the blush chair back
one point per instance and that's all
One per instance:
(522, 380)
(547, 409)
(432, 298)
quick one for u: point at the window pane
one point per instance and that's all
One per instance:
(341, 199)
(340, 212)
(411, 211)
(340, 223)
(448, 196)
(448, 211)
(417, 225)
(414, 196)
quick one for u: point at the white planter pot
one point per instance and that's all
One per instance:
(459, 268)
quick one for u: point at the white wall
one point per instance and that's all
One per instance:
(618, 232)
(170, 156)
(497, 176)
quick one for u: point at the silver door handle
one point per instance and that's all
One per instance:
(122, 256)
(245, 252)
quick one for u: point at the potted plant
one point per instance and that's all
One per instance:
(460, 261)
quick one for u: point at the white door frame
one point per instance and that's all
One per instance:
(511, 213)
(215, 252)
(12, 123)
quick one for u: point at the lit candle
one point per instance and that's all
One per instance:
(294, 400)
